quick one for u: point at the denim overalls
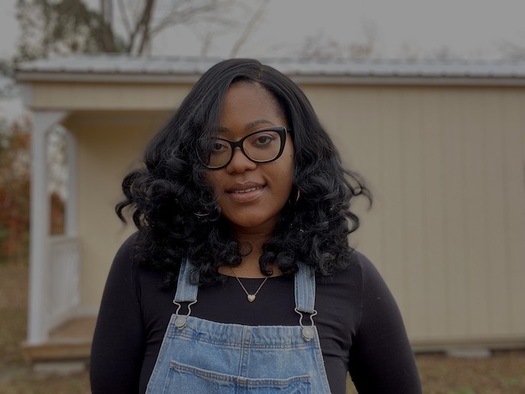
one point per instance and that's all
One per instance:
(200, 357)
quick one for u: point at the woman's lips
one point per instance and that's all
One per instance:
(251, 189)
(245, 194)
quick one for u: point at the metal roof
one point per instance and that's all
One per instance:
(133, 69)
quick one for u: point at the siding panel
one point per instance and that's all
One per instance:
(452, 158)
(497, 253)
(413, 212)
(392, 194)
(434, 226)
(447, 228)
(514, 122)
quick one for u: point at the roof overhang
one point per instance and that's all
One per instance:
(184, 70)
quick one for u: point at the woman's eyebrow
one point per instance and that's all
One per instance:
(255, 123)
(248, 126)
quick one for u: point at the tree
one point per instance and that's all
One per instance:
(56, 27)
(512, 51)
(249, 28)
(321, 47)
(14, 190)
(59, 27)
(7, 80)
(50, 27)
(15, 162)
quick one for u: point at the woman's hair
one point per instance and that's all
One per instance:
(175, 209)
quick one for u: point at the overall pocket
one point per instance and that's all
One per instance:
(188, 379)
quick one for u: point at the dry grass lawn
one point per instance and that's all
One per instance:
(503, 373)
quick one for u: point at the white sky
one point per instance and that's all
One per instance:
(469, 28)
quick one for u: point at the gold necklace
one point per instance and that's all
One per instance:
(250, 297)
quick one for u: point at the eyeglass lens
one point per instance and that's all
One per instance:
(261, 146)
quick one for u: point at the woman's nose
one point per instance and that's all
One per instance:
(240, 162)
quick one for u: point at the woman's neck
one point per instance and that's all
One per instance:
(251, 244)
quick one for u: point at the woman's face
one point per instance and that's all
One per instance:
(251, 195)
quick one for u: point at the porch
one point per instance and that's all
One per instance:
(65, 333)
(67, 272)
(68, 345)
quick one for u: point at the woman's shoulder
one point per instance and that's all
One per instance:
(126, 253)
(358, 263)
(129, 257)
(129, 243)
(358, 259)
(128, 266)
(123, 261)
(359, 272)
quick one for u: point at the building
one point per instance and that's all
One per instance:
(441, 145)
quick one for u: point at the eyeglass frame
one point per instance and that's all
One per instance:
(280, 130)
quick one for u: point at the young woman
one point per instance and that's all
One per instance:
(240, 276)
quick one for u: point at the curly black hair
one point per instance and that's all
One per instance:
(175, 209)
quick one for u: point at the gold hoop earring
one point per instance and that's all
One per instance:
(292, 201)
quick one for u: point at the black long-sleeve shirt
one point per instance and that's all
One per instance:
(359, 325)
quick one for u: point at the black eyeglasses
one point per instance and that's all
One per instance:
(261, 146)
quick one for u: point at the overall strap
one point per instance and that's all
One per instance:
(305, 299)
(186, 291)
(305, 290)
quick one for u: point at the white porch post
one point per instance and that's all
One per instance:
(71, 200)
(39, 224)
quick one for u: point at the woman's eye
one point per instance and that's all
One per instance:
(263, 140)
(218, 147)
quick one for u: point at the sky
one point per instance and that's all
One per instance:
(473, 29)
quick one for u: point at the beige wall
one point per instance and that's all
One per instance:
(447, 230)
(106, 96)
(445, 164)
(108, 147)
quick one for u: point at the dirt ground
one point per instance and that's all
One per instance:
(502, 373)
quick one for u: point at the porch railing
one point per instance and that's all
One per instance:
(62, 280)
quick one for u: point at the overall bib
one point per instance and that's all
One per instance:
(200, 357)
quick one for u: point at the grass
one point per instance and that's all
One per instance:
(502, 373)
(16, 375)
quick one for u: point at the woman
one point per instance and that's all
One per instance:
(240, 276)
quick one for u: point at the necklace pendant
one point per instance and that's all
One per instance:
(250, 297)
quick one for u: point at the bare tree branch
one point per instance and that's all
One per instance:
(51, 27)
(366, 48)
(145, 15)
(512, 51)
(322, 47)
(181, 16)
(249, 28)
(124, 16)
(145, 25)
(206, 43)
